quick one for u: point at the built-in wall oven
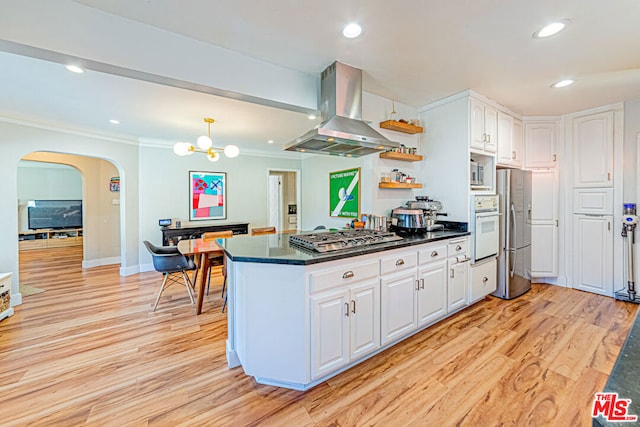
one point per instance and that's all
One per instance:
(485, 227)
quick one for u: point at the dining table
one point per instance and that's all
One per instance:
(203, 250)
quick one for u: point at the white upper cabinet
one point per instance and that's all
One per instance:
(509, 141)
(593, 150)
(484, 125)
(540, 141)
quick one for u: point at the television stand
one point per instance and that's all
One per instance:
(49, 238)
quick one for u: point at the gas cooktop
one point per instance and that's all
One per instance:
(336, 240)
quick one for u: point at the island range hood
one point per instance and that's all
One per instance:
(342, 131)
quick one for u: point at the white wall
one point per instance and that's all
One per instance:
(631, 131)
(164, 189)
(18, 139)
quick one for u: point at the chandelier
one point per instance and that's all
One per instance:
(205, 145)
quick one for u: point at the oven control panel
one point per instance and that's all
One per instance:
(483, 203)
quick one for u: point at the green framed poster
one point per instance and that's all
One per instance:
(344, 193)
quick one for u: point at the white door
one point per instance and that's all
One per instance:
(491, 128)
(398, 308)
(432, 295)
(505, 136)
(593, 253)
(540, 144)
(458, 284)
(477, 124)
(365, 318)
(329, 329)
(517, 145)
(544, 223)
(275, 201)
(593, 150)
(486, 235)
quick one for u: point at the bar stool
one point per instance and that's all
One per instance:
(263, 230)
(218, 261)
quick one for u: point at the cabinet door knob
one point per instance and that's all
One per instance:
(353, 308)
(434, 254)
(451, 273)
(348, 275)
(421, 283)
(458, 248)
(346, 305)
(485, 279)
(400, 262)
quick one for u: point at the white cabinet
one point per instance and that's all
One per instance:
(345, 325)
(484, 124)
(483, 280)
(593, 150)
(398, 308)
(329, 331)
(432, 280)
(544, 223)
(540, 144)
(509, 141)
(593, 253)
(458, 277)
(458, 284)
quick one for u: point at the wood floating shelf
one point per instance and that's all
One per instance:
(401, 156)
(398, 185)
(401, 127)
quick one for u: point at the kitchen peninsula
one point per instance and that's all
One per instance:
(297, 317)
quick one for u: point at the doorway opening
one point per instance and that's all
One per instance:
(65, 212)
(284, 197)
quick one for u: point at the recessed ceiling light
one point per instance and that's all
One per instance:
(114, 122)
(551, 29)
(270, 141)
(312, 116)
(352, 30)
(563, 83)
(75, 69)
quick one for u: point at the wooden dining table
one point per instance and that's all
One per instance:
(203, 250)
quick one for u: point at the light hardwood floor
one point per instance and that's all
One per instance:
(88, 351)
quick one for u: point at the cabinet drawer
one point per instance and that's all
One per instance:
(398, 262)
(458, 246)
(484, 279)
(343, 276)
(597, 201)
(432, 253)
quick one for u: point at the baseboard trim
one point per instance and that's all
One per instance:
(100, 262)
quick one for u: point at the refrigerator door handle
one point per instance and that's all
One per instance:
(514, 224)
(512, 263)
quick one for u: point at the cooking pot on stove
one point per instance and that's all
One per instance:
(409, 220)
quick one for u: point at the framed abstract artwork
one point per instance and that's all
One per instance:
(207, 195)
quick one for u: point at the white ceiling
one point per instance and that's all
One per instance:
(415, 52)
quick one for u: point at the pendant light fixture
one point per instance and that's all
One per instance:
(205, 145)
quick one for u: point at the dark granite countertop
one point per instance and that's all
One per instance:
(625, 376)
(275, 249)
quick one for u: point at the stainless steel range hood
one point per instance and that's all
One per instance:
(342, 131)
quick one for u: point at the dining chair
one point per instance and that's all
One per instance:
(218, 261)
(168, 260)
(263, 230)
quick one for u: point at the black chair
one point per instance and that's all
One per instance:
(168, 260)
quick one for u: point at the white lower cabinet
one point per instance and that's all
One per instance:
(432, 292)
(593, 253)
(458, 284)
(345, 325)
(484, 279)
(398, 308)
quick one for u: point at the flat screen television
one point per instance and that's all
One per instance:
(54, 214)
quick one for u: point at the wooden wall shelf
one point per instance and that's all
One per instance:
(398, 185)
(401, 127)
(401, 156)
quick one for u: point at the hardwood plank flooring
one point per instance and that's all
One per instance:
(88, 351)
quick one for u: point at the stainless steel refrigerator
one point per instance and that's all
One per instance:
(514, 256)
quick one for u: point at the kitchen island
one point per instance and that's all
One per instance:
(297, 317)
